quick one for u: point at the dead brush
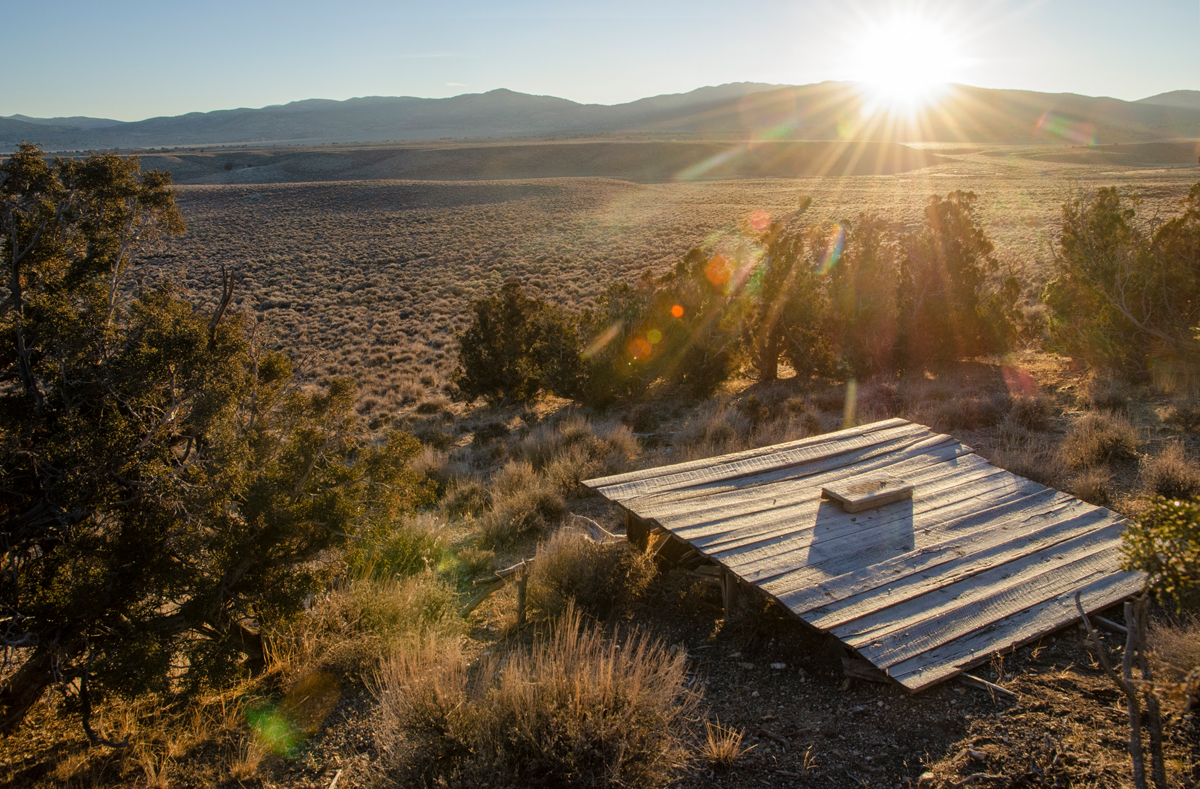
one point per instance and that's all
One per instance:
(723, 745)
(1099, 438)
(1172, 474)
(598, 578)
(576, 709)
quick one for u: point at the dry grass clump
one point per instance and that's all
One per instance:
(1028, 454)
(1175, 646)
(599, 578)
(1175, 654)
(1093, 485)
(575, 710)
(723, 745)
(1031, 412)
(604, 447)
(1099, 438)
(968, 413)
(1104, 393)
(524, 502)
(1183, 415)
(715, 429)
(465, 497)
(348, 630)
(1172, 474)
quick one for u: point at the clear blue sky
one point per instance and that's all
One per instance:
(131, 59)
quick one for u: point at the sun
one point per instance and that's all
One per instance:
(904, 61)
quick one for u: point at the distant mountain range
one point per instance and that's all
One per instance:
(824, 111)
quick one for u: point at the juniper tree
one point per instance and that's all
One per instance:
(165, 487)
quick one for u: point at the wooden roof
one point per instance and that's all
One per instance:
(976, 561)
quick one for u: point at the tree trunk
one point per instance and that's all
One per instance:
(21, 690)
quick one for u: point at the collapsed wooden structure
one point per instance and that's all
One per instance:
(976, 561)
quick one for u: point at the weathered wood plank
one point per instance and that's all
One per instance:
(805, 584)
(752, 544)
(749, 488)
(739, 465)
(793, 483)
(899, 641)
(946, 563)
(952, 597)
(616, 480)
(988, 559)
(829, 545)
(761, 524)
(1012, 631)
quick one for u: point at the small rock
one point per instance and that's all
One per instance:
(978, 756)
(927, 778)
(779, 666)
(754, 695)
(746, 665)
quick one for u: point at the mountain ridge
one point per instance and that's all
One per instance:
(819, 111)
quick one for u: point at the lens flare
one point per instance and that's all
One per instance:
(718, 270)
(833, 249)
(654, 336)
(640, 348)
(606, 336)
(1073, 131)
(677, 311)
(759, 221)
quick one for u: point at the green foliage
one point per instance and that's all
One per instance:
(614, 362)
(1165, 544)
(946, 310)
(1122, 298)
(164, 488)
(826, 298)
(787, 300)
(864, 305)
(516, 347)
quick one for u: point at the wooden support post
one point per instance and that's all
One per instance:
(729, 587)
(522, 584)
(636, 530)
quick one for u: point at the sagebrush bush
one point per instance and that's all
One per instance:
(598, 578)
(576, 710)
(1104, 393)
(1098, 438)
(1172, 474)
(716, 428)
(524, 502)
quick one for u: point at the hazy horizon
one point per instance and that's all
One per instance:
(133, 60)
